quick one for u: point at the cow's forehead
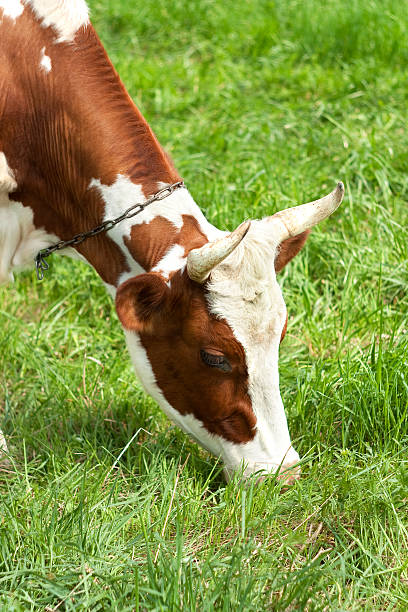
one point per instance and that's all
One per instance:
(244, 290)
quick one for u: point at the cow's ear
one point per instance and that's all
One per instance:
(140, 300)
(288, 249)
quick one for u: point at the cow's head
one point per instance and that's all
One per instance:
(205, 344)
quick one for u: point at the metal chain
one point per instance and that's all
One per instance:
(42, 265)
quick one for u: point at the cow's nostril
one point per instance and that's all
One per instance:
(289, 473)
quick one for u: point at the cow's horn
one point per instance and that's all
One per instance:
(295, 220)
(201, 261)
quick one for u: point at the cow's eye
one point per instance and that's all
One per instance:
(215, 361)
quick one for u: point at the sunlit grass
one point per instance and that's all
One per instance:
(261, 105)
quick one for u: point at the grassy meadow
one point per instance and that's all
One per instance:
(262, 105)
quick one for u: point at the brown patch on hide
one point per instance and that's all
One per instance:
(63, 128)
(173, 335)
(149, 242)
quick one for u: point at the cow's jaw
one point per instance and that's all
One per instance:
(188, 423)
(270, 449)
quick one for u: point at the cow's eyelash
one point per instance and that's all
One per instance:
(215, 361)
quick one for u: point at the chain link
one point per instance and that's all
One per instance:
(42, 265)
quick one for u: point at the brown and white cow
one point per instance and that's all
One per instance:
(203, 328)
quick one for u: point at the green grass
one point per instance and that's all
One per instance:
(261, 104)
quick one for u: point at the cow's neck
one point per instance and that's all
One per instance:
(96, 156)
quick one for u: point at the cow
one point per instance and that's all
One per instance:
(202, 311)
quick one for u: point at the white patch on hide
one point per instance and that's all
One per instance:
(45, 61)
(243, 291)
(118, 197)
(173, 260)
(66, 17)
(7, 180)
(20, 240)
(123, 193)
(12, 8)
